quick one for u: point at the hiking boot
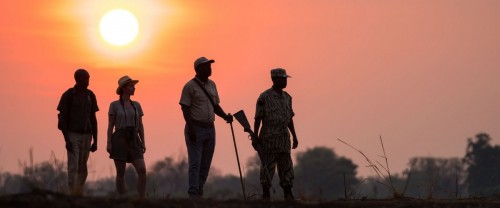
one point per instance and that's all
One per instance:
(266, 195)
(194, 197)
(288, 193)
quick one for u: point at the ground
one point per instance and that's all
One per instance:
(56, 200)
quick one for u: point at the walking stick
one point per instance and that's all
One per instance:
(238, 160)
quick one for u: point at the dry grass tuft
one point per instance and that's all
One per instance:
(383, 172)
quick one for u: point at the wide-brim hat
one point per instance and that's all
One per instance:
(202, 60)
(124, 81)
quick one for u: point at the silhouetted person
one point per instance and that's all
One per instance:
(199, 113)
(126, 144)
(274, 110)
(78, 123)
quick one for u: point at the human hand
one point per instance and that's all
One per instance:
(255, 145)
(93, 148)
(255, 142)
(295, 143)
(192, 135)
(109, 148)
(69, 146)
(229, 118)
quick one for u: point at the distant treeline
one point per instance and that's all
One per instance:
(320, 174)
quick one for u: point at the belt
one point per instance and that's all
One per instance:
(203, 124)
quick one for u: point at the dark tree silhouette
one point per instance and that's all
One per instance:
(435, 177)
(168, 178)
(319, 174)
(483, 166)
(252, 180)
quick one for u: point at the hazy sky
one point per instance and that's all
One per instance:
(424, 74)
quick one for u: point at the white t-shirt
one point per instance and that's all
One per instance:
(125, 116)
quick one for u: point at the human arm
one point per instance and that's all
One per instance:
(93, 123)
(256, 140)
(259, 114)
(63, 108)
(141, 134)
(111, 124)
(294, 135)
(256, 125)
(227, 117)
(68, 145)
(186, 112)
(93, 120)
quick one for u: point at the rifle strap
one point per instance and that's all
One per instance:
(205, 91)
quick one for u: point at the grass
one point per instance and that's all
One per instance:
(54, 199)
(383, 173)
(168, 180)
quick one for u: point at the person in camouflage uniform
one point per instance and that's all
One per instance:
(274, 110)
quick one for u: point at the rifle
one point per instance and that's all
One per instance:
(256, 143)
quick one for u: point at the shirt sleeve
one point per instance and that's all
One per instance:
(95, 108)
(260, 107)
(63, 103)
(112, 109)
(216, 97)
(186, 95)
(139, 108)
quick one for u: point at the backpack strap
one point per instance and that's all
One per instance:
(125, 112)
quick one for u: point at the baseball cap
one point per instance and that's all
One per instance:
(279, 72)
(202, 60)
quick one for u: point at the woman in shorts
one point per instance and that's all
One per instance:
(126, 143)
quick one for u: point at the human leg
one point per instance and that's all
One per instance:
(266, 175)
(83, 156)
(194, 158)
(140, 168)
(120, 166)
(206, 156)
(286, 174)
(73, 162)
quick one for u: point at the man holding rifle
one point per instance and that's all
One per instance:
(274, 111)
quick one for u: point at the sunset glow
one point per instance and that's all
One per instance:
(422, 74)
(119, 27)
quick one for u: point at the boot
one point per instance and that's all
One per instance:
(288, 193)
(266, 195)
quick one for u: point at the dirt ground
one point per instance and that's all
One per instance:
(56, 200)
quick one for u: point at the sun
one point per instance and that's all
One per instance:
(119, 27)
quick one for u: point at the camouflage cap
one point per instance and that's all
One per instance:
(279, 72)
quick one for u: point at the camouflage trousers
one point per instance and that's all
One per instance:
(285, 169)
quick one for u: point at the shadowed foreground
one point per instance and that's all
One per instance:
(49, 199)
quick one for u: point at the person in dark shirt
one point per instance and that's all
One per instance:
(78, 123)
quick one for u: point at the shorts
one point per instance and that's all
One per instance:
(126, 146)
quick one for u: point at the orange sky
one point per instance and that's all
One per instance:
(424, 74)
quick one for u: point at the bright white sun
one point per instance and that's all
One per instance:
(119, 27)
